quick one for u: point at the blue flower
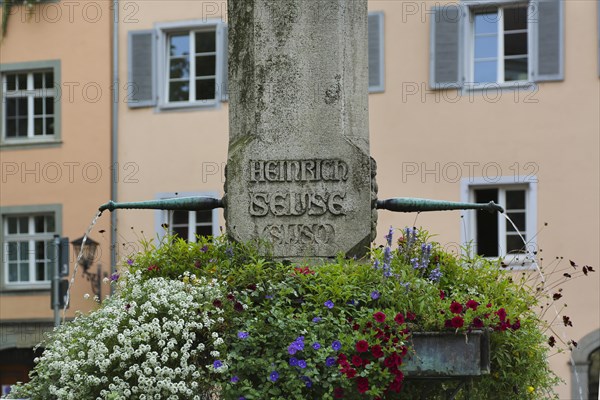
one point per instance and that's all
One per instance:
(302, 364)
(307, 381)
(329, 362)
(329, 304)
(114, 277)
(435, 275)
(243, 335)
(293, 362)
(129, 261)
(204, 249)
(336, 345)
(316, 319)
(217, 364)
(274, 376)
(235, 379)
(297, 345)
(269, 296)
(316, 345)
(375, 294)
(389, 236)
(376, 264)
(242, 398)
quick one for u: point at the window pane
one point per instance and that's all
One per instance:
(486, 224)
(179, 91)
(180, 217)
(13, 251)
(11, 107)
(516, 69)
(12, 225)
(11, 127)
(13, 274)
(519, 219)
(11, 82)
(205, 65)
(205, 42)
(515, 199)
(49, 126)
(203, 216)
(514, 244)
(205, 89)
(50, 227)
(38, 106)
(181, 232)
(49, 80)
(22, 127)
(39, 223)
(40, 271)
(515, 18)
(24, 272)
(38, 126)
(22, 107)
(485, 71)
(38, 80)
(23, 251)
(486, 23)
(23, 225)
(594, 374)
(204, 230)
(515, 44)
(486, 46)
(179, 68)
(22, 81)
(179, 45)
(49, 105)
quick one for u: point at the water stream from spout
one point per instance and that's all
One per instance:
(77, 260)
(531, 256)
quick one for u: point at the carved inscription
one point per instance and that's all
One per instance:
(269, 199)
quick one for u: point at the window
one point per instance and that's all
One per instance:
(509, 43)
(585, 367)
(187, 224)
(499, 45)
(492, 234)
(29, 248)
(185, 64)
(30, 106)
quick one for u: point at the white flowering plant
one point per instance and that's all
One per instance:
(157, 339)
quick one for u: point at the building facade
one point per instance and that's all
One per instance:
(55, 159)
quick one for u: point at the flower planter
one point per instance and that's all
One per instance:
(448, 355)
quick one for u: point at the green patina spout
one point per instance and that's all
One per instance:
(179, 204)
(409, 204)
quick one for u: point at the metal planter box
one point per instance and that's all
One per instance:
(448, 355)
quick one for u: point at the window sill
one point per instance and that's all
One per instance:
(515, 85)
(26, 290)
(19, 144)
(207, 104)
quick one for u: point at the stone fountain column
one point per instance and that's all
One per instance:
(299, 172)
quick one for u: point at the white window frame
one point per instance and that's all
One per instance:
(468, 228)
(468, 43)
(163, 216)
(163, 31)
(31, 238)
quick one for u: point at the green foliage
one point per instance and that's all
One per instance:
(295, 331)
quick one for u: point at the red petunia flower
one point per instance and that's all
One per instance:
(442, 295)
(393, 360)
(379, 316)
(350, 373)
(357, 361)
(457, 322)
(472, 304)
(376, 351)
(501, 313)
(338, 393)
(362, 384)
(362, 346)
(456, 307)
(399, 318)
(411, 316)
(355, 327)
(477, 322)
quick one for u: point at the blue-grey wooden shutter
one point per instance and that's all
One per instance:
(376, 53)
(445, 69)
(225, 64)
(141, 85)
(548, 26)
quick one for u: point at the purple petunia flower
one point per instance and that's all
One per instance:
(329, 362)
(235, 379)
(243, 335)
(129, 261)
(296, 345)
(329, 304)
(302, 364)
(336, 345)
(307, 381)
(293, 362)
(204, 249)
(316, 345)
(375, 294)
(269, 296)
(242, 398)
(217, 364)
(316, 319)
(274, 376)
(114, 277)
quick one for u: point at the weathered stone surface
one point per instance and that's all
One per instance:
(298, 171)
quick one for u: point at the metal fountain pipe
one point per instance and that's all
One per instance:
(195, 203)
(410, 204)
